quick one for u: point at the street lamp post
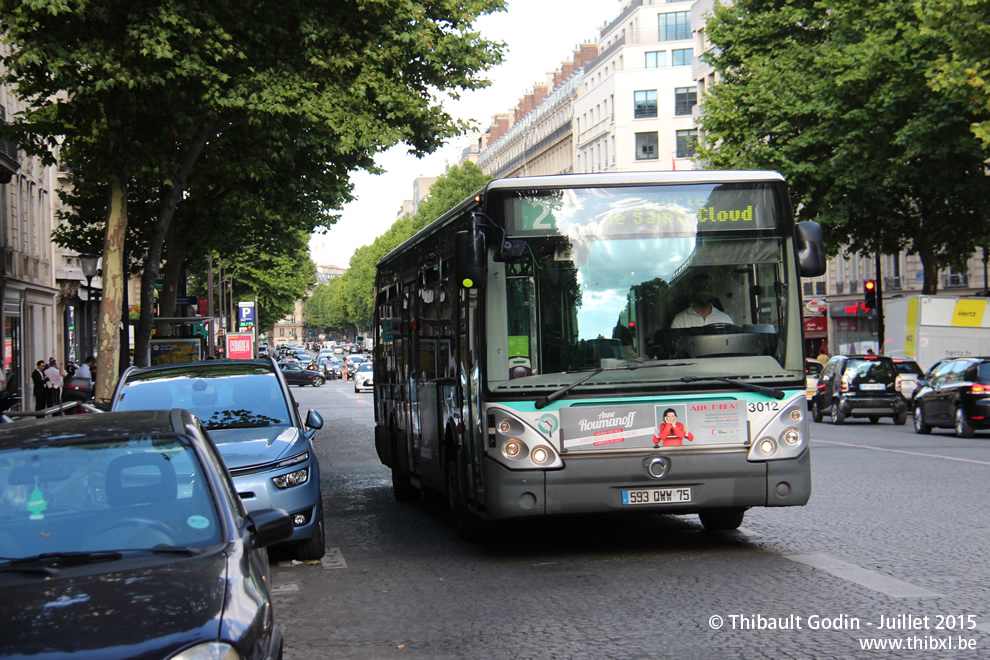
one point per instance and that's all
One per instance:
(89, 264)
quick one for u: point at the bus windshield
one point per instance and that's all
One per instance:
(683, 280)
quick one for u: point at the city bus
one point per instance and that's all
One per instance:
(534, 352)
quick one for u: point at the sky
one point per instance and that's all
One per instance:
(540, 35)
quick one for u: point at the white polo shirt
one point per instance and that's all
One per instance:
(689, 318)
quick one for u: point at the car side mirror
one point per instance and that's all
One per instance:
(269, 526)
(314, 420)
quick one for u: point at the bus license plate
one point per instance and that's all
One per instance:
(656, 496)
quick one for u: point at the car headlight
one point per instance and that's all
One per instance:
(297, 478)
(209, 651)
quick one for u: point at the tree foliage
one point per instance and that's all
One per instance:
(142, 91)
(348, 302)
(962, 72)
(835, 95)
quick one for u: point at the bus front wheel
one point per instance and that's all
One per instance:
(721, 520)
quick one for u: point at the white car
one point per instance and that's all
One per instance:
(364, 377)
(812, 369)
(910, 372)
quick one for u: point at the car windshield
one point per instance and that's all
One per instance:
(221, 395)
(365, 367)
(876, 369)
(138, 493)
(813, 368)
(910, 368)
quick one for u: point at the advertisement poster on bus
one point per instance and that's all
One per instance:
(662, 425)
(240, 346)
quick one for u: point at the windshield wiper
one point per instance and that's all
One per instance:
(50, 559)
(733, 380)
(553, 396)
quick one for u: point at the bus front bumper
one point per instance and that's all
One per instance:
(595, 484)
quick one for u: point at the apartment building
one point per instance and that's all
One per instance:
(32, 301)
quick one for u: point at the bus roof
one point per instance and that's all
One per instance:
(635, 178)
(587, 181)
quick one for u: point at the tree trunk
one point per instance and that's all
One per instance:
(114, 281)
(175, 255)
(929, 261)
(152, 263)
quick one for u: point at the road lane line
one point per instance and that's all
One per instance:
(865, 578)
(333, 558)
(901, 451)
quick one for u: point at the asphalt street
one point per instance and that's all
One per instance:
(889, 560)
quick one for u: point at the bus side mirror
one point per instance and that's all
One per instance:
(472, 256)
(811, 248)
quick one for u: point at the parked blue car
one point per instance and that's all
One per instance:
(251, 416)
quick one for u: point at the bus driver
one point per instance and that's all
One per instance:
(701, 311)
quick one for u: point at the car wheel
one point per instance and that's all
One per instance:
(816, 411)
(919, 422)
(318, 381)
(722, 520)
(837, 416)
(963, 428)
(316, 546)
(900, 419)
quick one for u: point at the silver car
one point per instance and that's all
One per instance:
(249, 412)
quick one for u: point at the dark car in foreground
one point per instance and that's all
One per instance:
(859, 386)
(251, 416)
(954, 395)
(121, 537)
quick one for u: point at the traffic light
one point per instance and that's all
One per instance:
(870, 294)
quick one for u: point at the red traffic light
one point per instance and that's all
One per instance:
(870, 285)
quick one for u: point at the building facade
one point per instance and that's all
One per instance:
(30, 298)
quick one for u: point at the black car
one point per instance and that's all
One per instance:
(297, 374)
(121, 535)
(954, 394)
(859, 386)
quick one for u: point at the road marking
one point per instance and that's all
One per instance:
(865, 578)
(285, 588)
(333, 558)
(901, 451)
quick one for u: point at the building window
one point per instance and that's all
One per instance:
(675, 26)
(684, 100)
(645, 104)
(687, 141)
(656, 59)
(682, 56)
(646, 146)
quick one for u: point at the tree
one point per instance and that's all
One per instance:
(834, 95)
(962, 72)
(145, 89)
(355, 294)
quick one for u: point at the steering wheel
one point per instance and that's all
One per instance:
(719, 329)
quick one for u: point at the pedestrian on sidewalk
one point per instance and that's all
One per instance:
(54, 375)
(40, 381)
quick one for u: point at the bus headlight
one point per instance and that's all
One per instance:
(783, 436)
(517, 444)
